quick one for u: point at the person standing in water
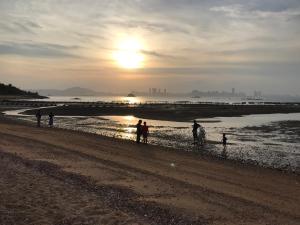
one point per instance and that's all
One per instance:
(38, 116)
(224, 140)
(51, 119)
(145, 132)
(202, 135)
(195, 134)
(138, 131)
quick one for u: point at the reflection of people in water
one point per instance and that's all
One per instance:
(38, 116)
(195, 134)
(145, 132)
(138, 131)
(51, 118)
(224, 153)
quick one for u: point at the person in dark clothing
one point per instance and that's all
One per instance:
(38, 116)
(195, 134)
(145, 132)
(224, 140)
(138, 131)
(51, 119)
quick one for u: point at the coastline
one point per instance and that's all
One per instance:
(21, 97)
(168, 112)
(265, 140)
(197, 190)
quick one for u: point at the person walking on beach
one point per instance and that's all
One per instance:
(145, 132)
(224, 140)
(138, 131)
(195, 133)
(51, 118)
(38, 116)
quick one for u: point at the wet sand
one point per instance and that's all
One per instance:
(55, 176)
(171, 112)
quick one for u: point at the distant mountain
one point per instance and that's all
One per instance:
(74, 91)
(12, 91)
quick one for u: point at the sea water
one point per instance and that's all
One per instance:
(249, 139)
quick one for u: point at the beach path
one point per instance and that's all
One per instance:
(54, 176)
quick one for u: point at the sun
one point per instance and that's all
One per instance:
(128, 54)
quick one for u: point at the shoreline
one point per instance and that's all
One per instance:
(212, 149)
(202, 188)
(202, 153)
(168, 112)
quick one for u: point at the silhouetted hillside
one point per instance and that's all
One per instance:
(74, 91)
(10, 90)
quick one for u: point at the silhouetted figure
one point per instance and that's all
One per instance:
(195, 134)
(51, 119)
(38, 116)
(145, 132)
(202, 135)
(224, 140)
(138, 131)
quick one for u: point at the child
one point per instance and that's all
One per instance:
(139, 131)
(145, 132)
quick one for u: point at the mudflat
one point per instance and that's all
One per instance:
(171, 112)
(55, 176)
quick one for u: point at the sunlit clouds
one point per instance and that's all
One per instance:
(132, 44)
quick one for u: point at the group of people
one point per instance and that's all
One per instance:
(142, 131)
(199, 135)
(198, 131)
(38, 116)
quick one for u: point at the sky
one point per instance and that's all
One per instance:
(182, 45)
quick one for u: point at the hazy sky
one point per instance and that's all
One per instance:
(185, 44)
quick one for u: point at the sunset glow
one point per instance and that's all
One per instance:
(120, 46)
(128, 54)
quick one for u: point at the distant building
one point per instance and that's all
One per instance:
(233, 91)
(154, 91)
(257, 94)
(157, 92)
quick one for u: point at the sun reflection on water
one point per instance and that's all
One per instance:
(132, 100)
(128, 118)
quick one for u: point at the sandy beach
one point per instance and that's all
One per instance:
(55, 176)
(149, 112)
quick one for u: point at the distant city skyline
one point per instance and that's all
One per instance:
(154, 91)
(119, 46)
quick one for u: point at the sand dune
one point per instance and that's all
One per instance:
(53, 176)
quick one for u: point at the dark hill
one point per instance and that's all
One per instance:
(10, 90)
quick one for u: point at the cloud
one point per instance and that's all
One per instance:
(242, 11)
(38, 50)
(89, 36)
(19, 25)
(191, 37)
(147, 25)
(159, 55)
